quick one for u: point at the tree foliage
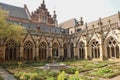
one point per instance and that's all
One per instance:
(9, 30)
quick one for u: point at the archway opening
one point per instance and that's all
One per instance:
(42, 51)
(55, 50)
(11, 51)
(95, 50)
(65, 50)
(112, 48)
(28, 51)
(72, 50)
(81, 50)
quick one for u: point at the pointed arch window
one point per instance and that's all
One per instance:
(42, 51)
(81, 50)
(28, 50)
(112, 48)
(95, 50)
(11, 50)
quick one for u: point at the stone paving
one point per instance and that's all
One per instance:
(6, 75)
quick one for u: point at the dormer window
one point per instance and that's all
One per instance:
(44, 19)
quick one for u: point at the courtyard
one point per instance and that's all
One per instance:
(75, 70)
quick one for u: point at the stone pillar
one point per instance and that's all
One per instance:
(34, 53)
(102, 55)
(37, 53)
(119, 50)
(2, 53)
(87, 52)
(21, 53)
(50, 51)
(74, 48)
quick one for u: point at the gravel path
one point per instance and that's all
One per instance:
(6, 75)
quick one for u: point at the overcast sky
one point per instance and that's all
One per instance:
(90, 10)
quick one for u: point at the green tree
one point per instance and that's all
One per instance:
(9, 30)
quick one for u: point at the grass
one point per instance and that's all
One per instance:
(26, 70)
(1, 78)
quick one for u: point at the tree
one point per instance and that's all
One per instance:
(9, 30)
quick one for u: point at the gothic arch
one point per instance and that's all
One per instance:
(42, 51)
(55, 47)
(43, 39)
(11, 50)
(112, 48)
(81, 50)
(28, 50)
(112, 34)
(95, 49)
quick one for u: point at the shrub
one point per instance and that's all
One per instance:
(62, 76)
(77, 77)
(50, 78)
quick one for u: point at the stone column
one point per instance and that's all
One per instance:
(37, 53)
(102, 51)
(48, 53)
(62, 50)
(76, 51)
(21, 53)
(86, 52)
(119, 50)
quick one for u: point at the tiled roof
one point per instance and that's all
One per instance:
(14, 11)
(42, 28)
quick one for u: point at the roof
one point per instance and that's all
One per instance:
(69, 23)
(42, 28)
(14, 11)
(105, 22)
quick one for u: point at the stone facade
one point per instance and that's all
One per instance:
(98, 40)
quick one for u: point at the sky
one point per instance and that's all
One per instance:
(90, 10)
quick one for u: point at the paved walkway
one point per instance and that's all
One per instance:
(115, 78)
(6, 75)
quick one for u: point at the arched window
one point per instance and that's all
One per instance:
(11, 50)
(42, 51)
(55, 50)
(28, 50)
(112, 48)
(65, 50)
(95, 50)
(72, 50)
(81, 50)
